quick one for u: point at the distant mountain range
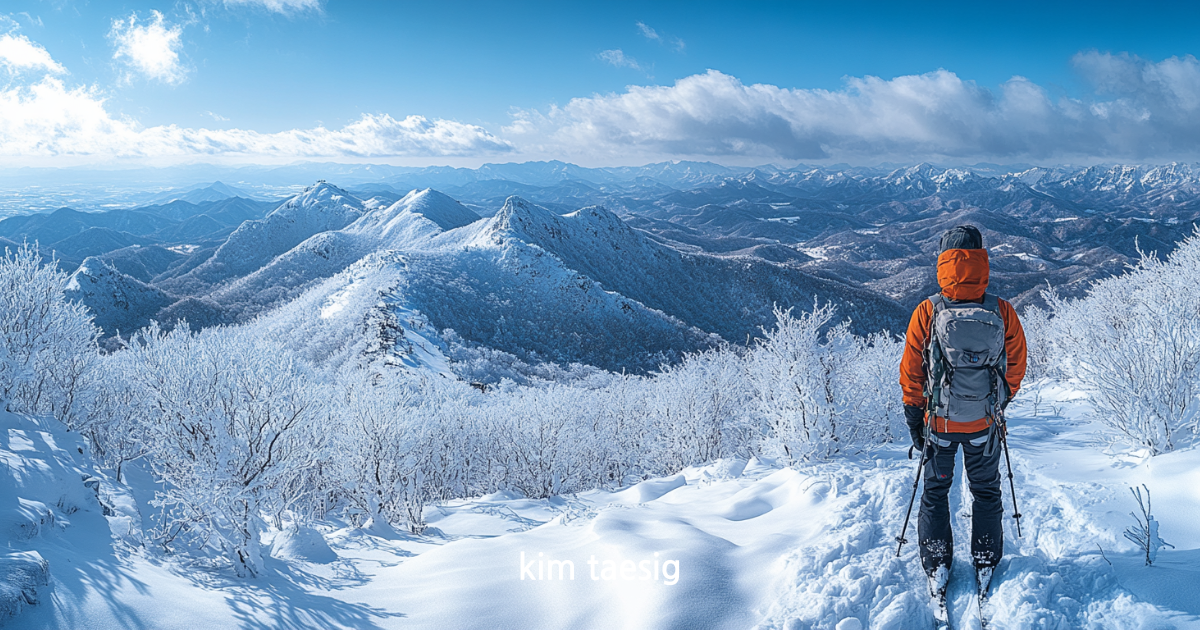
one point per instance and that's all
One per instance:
(201, 193)
(621, 268)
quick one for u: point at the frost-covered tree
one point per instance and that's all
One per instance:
(1134, 343)
(548, 443)
(115, 422)
(232, 422)
(375, 450)
(698, 409)
(821, 395)
(1041, 356)
(49, 343)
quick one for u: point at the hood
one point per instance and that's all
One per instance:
(963, 273)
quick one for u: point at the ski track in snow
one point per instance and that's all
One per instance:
(758, 546)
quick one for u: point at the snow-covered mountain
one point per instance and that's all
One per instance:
(201, 193)
(118, 302)
(732, 297)
(320, 208)
(501, 292)
(581, 287)
(407, 224)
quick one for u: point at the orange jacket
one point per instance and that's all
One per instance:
(962, 275)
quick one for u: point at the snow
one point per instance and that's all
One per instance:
(303, 544)
(736, 544)
(819, 253)
(1028, 257)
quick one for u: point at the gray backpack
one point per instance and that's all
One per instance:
(966, 359)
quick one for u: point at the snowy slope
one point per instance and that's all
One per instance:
(320, 208)
(752, 545)
(48, 501)
(359, 313)
(731, 297)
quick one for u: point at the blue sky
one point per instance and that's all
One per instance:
(595, 83)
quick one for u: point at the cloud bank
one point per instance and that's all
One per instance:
(1135, 109)
(49, 119)
(1139, 109)
(46, 118)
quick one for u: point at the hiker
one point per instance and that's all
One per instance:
(964, 359)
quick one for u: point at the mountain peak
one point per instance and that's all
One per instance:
(600, 217)
(420, 212)
(94, 267)
(518, 216)
(438, 207)
(322, 190)
(319, 196)
(118, 302)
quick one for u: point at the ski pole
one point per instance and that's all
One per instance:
(1011, 485)
(916, 481)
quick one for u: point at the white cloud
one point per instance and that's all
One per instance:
(216, 117)
(619, 59)
(48, 118)
(151, 50)
(648, 32)
(18, 54)
(285, 7)
(1139, 109)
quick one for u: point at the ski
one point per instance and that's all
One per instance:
(983, 582)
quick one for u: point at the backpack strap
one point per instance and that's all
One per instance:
(992, 303)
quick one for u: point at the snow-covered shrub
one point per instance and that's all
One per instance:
(48, 343)
(115, 420)
(547, 442)
(232, 422)
(380, 435)
(1039, 339)
(820, 397)
(477, 363)
(698, 411)
(1134, 342)
(624, 438)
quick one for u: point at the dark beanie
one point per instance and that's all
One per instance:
(962, 237)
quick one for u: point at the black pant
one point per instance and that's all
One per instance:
(981, 458)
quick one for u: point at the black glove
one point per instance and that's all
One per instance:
(914, 417)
